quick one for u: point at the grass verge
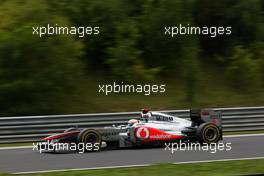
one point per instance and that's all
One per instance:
(16, 144)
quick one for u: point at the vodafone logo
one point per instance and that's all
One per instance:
(142, 133)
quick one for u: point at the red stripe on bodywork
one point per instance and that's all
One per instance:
(61, 135)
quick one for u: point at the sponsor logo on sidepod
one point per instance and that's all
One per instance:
(142, 133)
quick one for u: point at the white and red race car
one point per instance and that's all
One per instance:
(151, 128)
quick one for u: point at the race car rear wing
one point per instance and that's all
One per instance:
(199, 116)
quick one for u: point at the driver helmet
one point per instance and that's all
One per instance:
(145, 115)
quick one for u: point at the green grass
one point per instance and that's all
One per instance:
(213, 94)
(219, 168)
(16, 144)
(212, 90)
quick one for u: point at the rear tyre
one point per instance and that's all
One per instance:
(208, 133)
(91, 139)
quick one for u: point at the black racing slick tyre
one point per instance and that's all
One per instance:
(208, 133)
(91, 138)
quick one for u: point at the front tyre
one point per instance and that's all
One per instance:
(91, 139)
(208, 133)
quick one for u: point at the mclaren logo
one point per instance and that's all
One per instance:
(142, 133)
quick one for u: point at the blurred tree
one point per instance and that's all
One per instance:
(258, 52)
(131, 46)
(34, 70)
(245, 17)
(243, 70)
(160, 50)
(124, 56)
(191, 73)
(116, 49)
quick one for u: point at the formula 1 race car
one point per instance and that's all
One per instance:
(151, 128)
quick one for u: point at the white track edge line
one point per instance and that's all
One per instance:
(15, 147)
(129, 166)
(220, 160)
(80, 169)
(243, 135)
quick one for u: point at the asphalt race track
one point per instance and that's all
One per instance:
(26, 160)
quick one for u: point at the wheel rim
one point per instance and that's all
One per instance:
(91, 138)
(211, 134)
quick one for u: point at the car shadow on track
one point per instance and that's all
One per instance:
(105, 149)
